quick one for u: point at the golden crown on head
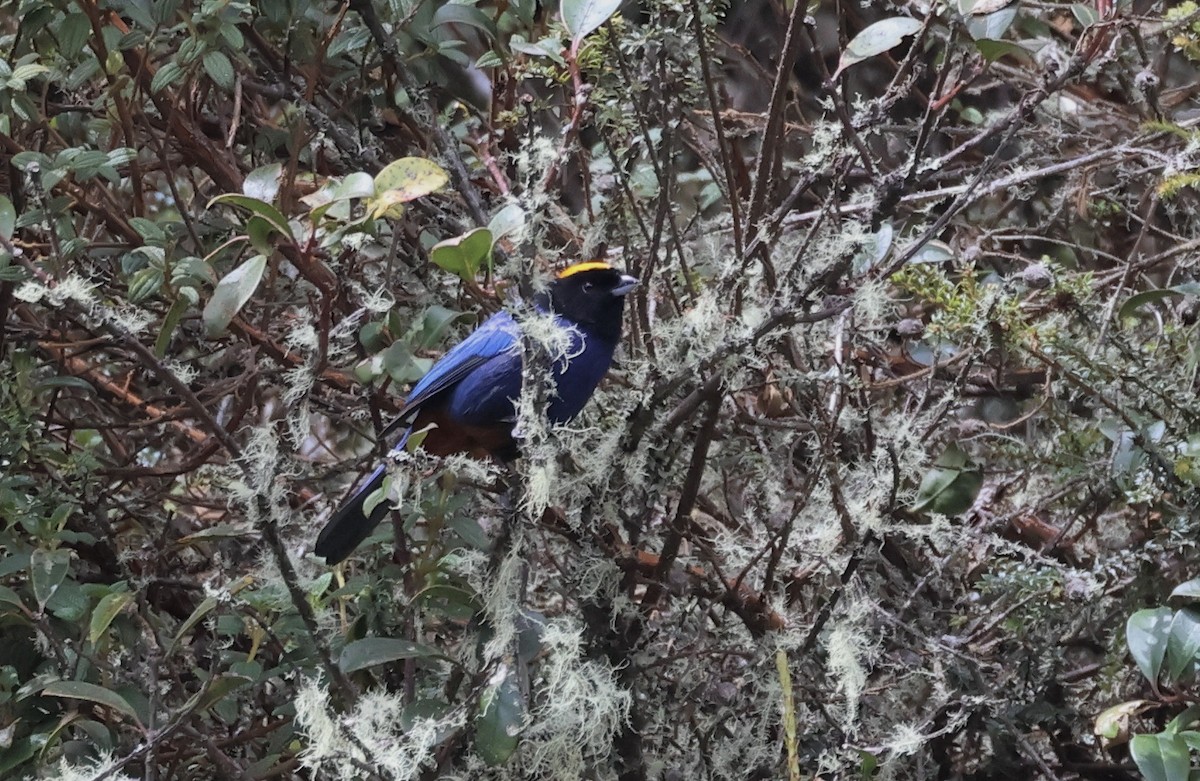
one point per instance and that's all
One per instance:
(590, 265)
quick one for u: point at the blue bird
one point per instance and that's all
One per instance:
(471, 393)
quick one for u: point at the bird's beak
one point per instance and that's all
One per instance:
(627, 285)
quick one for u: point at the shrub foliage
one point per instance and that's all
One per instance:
(894, 476)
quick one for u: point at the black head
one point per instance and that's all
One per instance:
(592, 294)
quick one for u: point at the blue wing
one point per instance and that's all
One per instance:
(495, 337)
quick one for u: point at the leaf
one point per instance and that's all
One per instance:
(546, 47)
(458, 13)
(220, 531)
(8, 218)
(104, 614)
(10, 597)
(356, 185)
(47, 570)
(144, 283)
(1146, 634)
(23, 73)
(168, 74)
(232, 293)
(80, 690)
(122, 155)
(992, 25)
(1085, 14)
(995, 50)
(1183, 643)
(203, 609)
(1190, 715)
(463, 255)
(371, 651)
(501, 718)
(410, 178)
(1138, 300)
(217, 690)
(169, 324)
(950, 487)
(876, 39)
(263, 182)
(1189, 591)
(258, 208)
(1112, 725)
(73, 33)
(219, 69)
(21, 751)
(66, 381)
(432, 326)
(507, 221)
(1161, 757)
(582, 17)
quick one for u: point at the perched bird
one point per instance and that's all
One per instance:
(471, 393)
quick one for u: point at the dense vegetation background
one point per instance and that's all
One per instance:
(895, 477)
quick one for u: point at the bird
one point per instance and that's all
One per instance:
(470, 393)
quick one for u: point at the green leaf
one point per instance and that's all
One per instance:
(994, 50)
(168, 74)
(993, 25)
(501, 718)
(1190, 715)
(19, 752)
(258, 208)
(876, 39)
(463, 255)
(106, 611)
(357, 185)
(950, 487)
(1138, 300)
(378, 496)
(219, 69)
(220, 688)
(582, 17)
(507, 221)
(47, 570)
(1189, 591)
(170, 323)
(66, 381)
(145, 283)
(80, 690)
(1183, 643)
(122, 155)
(203, 609)
(1084, 14)
(434, 323)
(8, 218)
(372, 651)
(23, 73)
(262, 183)
(546, 47)
(10, 597)
(458, 13)
(1146, 634)
(232, 293)
(1161, 757)
(73, 33)
(148, 230)
(1191, 738)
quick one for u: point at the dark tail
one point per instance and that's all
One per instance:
(350, 525)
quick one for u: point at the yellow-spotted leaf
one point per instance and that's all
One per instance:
(407, 179)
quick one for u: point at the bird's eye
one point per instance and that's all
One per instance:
(588, 286)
